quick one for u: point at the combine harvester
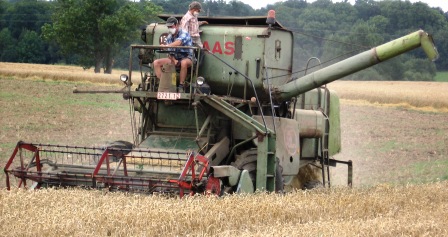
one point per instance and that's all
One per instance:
(243, 124)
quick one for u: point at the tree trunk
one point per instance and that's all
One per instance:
(109, 63)
(98, 62)
(97, 67)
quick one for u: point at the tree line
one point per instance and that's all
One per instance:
(98, 33)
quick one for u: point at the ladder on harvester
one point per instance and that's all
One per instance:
(325, 156)
(325, 160)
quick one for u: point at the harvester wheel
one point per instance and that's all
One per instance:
(312, 184)
(248, 161)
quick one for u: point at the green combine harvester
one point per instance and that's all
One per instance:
(243, 124)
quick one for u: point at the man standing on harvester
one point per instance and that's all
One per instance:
(180, 57)
(190, 23)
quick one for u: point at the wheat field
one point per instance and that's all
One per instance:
(57, 72)
(412, 210)
(416, 95)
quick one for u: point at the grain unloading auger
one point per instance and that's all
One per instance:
(243, 124)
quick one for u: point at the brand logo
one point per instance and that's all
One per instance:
(228, 48)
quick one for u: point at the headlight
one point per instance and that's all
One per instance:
(200, 81)
(124, 78)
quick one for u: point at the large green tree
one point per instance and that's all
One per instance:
(30, 47)
(96, 30)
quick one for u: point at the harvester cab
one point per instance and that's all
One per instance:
(242, 124)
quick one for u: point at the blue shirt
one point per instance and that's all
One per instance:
(185, 38)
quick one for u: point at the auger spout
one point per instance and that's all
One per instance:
(356, 63)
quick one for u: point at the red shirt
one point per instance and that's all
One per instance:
(190, 24)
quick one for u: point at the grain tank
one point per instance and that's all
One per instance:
(243, 124)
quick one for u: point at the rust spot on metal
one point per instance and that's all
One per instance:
(260, 136)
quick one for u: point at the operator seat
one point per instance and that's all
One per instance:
(198, 59)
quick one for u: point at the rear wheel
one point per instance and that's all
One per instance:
(248, 161)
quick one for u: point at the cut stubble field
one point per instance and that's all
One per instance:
(396, 133)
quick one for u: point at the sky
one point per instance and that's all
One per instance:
(257, 4)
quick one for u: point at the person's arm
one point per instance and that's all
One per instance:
(175, 43)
